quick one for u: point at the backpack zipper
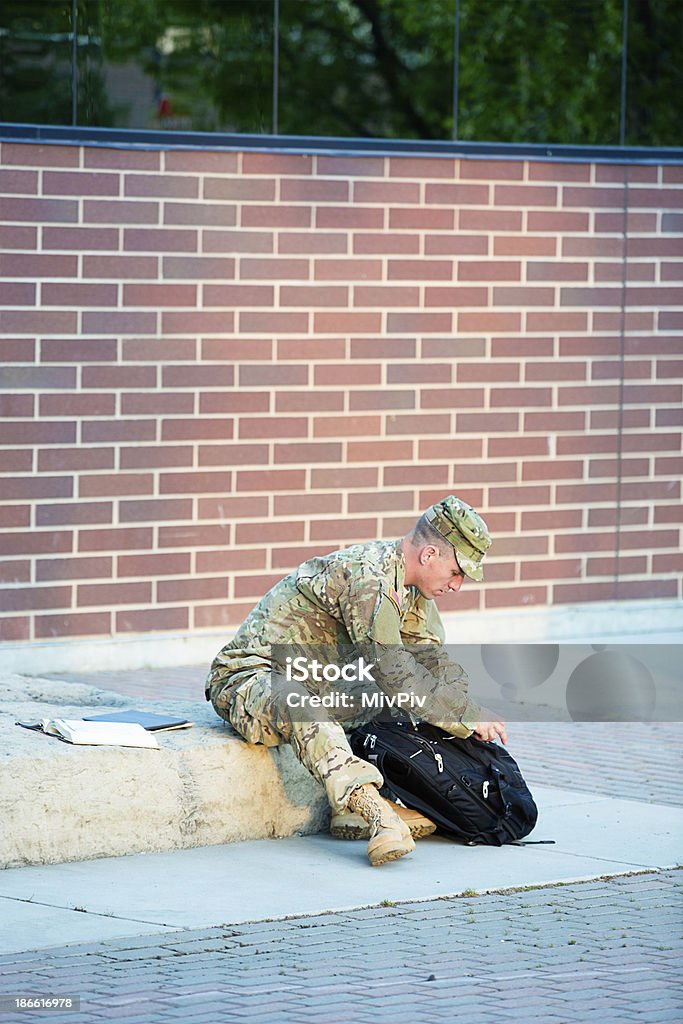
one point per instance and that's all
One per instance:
(427, 747)
(462, 782)
(480, 799)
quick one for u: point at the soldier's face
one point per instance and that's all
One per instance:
(438, 574)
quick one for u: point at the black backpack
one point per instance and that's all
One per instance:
(471, 789)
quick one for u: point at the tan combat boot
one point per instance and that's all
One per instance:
(346, 825)
(390, 837)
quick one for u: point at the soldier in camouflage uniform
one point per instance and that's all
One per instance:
(379, 595)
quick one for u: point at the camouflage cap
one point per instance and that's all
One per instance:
(464, 528)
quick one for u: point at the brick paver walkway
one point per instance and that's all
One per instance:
(607, 951)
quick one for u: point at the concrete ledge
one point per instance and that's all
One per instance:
(205, 785)
(651, 621)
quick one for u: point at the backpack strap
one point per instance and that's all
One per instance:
(533, 842)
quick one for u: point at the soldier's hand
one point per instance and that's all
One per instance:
(490, 731)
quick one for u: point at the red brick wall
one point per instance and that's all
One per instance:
(215, 364)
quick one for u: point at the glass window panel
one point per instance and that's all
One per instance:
(654, 84)
(366, 68)
(35, 61)
(197, 65)
(540, 71)
(96, 105)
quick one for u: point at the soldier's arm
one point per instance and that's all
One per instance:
(422, 624)
(373, 622)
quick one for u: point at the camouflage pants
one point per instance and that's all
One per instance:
(260, 716)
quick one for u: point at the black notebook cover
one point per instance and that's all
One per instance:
(146, 719)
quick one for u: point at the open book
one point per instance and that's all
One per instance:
(77, 730)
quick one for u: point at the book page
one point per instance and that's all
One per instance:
(119, 734)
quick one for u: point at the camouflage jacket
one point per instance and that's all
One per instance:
(357, 597)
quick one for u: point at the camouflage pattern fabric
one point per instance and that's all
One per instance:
(355, 596)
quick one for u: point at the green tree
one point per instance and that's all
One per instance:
(530, 70)
(35, 68)
(544, 71)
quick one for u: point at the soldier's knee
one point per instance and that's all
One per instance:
(220, 694)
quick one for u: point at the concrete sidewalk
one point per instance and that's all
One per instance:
(230, 884)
